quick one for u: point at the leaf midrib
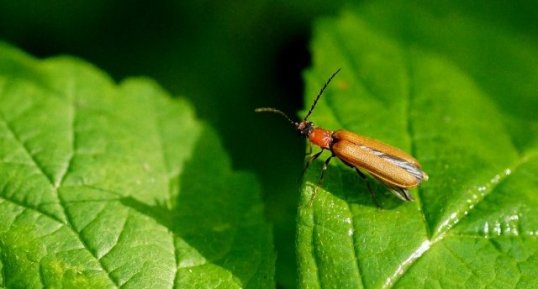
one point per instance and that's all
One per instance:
(396, 276)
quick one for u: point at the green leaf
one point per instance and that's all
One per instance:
(474, 224)
(107, 186)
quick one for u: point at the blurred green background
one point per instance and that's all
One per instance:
(228, 58)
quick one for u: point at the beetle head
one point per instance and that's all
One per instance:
(305, 128)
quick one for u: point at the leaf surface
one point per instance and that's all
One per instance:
(474, 223)
(108, 186)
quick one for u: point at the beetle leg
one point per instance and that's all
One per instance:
(320, 181)
(401, 193)
(369, 186)
(310, 160)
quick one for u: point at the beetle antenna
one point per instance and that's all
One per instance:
(320, 93)
(274, 110)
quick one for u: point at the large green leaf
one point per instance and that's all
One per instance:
(474, 224)
(106, 186)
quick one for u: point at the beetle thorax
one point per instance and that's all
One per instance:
(321, 137)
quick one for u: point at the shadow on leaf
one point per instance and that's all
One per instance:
(344, 183)
(216, 211)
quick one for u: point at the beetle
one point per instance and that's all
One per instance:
(394, 168)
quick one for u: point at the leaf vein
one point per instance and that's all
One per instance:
(119, 237)
(72, 140)
(464, 211)
(26, 206)
(85, 244)
(26, 150)
(410, 261)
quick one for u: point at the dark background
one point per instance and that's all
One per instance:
(226, 57)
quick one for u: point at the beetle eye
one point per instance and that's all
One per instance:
(305, 128)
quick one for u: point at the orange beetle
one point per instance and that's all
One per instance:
(394, 168)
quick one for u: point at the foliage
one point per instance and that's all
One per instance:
(108, 186)
(452, 82)
(474, 224)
